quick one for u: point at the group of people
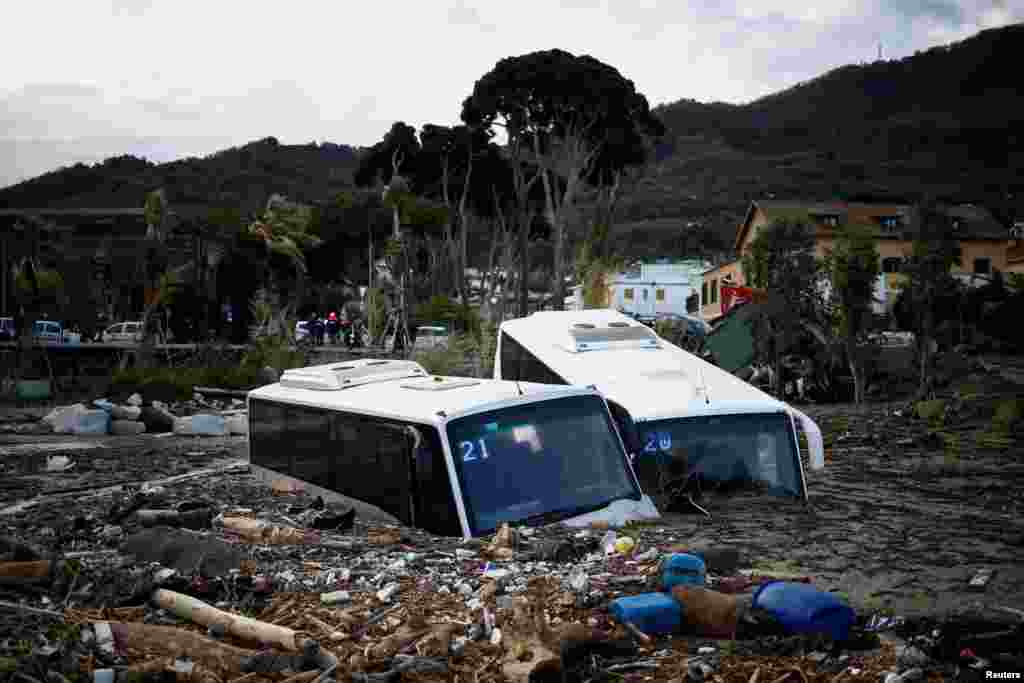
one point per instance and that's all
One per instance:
(333, 328)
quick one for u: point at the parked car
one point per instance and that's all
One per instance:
(7, 331)
(431, 337)
(48, 331)
(125, 332)
(301, 330)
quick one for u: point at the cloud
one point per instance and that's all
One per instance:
(462, 14)
(188, 73)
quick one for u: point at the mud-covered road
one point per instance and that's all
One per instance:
(904, 514)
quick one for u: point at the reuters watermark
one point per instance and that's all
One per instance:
(1002, 675)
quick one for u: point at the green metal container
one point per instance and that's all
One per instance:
(32, 389)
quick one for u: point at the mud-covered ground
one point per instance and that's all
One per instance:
(903, 515)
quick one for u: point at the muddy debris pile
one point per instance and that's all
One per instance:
(221, 578)
(136, 415)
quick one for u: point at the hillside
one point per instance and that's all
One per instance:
(945, 122)
(240, 177)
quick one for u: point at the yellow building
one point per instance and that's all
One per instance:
(985, 245)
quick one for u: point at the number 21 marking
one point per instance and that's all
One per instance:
(469, 446)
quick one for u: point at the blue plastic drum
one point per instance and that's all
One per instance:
(800, 608)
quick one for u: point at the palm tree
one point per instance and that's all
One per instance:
(287, 231)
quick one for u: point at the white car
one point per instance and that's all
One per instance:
(126, 332)
(301, 330)
(431, 337)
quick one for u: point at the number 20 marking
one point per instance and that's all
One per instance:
(468, 448)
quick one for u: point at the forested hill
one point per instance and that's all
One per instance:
(241, 177)
(946, 122)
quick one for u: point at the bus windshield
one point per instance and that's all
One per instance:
(753, 449)
(544, 462)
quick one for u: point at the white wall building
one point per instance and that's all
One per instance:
(656, 288)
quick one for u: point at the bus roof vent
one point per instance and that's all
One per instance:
(440, 383)
(615, 336)
(335, 376)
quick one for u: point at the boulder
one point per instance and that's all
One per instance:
(63, 420)
(238, 425)
(127, 427)
(125, 412)
(91, 422)
(201, 425)
(157, 420)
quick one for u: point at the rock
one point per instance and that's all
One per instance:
(201, 425)
(63, 419)
(157, 420)
(91, 422)
(127, 427)
(125, 412)
(134, 400)
(914, 674)
(184, 551)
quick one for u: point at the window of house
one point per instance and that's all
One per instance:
(830, 220)
(891, 264)
(627, 294)
(704, 293)
(714, 291)
(659, 295)
(983, 266)
(645, 294)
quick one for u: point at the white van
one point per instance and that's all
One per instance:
(691, 418)
(454, 456)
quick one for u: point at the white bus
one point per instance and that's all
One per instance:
(691, 418)
(454, 456)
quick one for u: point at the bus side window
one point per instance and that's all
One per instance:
(307, 432)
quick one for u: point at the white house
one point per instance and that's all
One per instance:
(656, 288)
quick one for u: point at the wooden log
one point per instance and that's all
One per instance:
(175, 642)
(35, 569)
(236, 625)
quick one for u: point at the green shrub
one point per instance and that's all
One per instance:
(181, 382)
(273, 352)
(457, 358)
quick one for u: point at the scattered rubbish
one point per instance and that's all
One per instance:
(706, 612)
(59, 463)
(981, 579)
(335, 598)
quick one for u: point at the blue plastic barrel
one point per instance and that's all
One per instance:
(682, 568)
(801, 608)
(652, 613)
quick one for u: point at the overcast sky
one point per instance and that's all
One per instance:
(88, 79)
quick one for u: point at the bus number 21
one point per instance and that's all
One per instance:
(469, 448)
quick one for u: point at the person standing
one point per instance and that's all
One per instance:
(332, 328)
